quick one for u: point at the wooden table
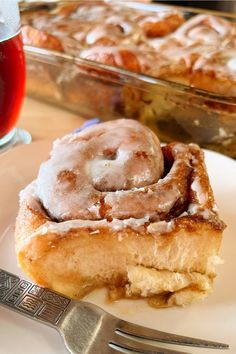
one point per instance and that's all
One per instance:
(44, 121)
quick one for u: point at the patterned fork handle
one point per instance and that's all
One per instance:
(31, 300)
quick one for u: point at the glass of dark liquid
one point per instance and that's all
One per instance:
(12, 75)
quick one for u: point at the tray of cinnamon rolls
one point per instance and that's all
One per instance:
(173, 70)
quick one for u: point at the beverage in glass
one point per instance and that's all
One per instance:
(12, 74)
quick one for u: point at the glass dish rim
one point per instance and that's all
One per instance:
(123, 74)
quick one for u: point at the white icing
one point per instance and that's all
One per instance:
(89, 13)
(160, 227)
(66, 226)
(232, 64)
(95, 232)
(119, 21)
(134, 223)
(43, 229)
(141, 177)
(94, 209)
(215, 208)
(180, 148)
(206, 29)
(202, 197)
(185, 213)
(196, 209)
(193, 208)
(107, 32)
(29, 195)
(204, 32)
(109, 170)
(206, 214)
(86, 168)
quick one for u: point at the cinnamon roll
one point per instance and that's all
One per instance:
(161, 23)
(206, 29)
(111, 208)
(193, 40)
(175, 61)
(34, 37)
(216, 72)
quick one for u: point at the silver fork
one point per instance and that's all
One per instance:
(84, 327)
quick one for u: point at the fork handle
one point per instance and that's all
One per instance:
(31, 300)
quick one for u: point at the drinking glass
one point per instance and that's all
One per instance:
(12, 75)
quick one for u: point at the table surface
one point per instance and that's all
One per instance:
(44, 121)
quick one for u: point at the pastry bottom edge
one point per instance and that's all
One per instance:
(161, 288)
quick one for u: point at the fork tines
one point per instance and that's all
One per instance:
(132, 332)
(123, 344)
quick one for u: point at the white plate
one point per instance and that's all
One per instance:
(213, 319)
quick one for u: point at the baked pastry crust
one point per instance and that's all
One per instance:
(166, 254)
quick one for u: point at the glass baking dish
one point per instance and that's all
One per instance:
(91, 89)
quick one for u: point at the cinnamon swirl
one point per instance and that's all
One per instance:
(111, 208)
(206, 29)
